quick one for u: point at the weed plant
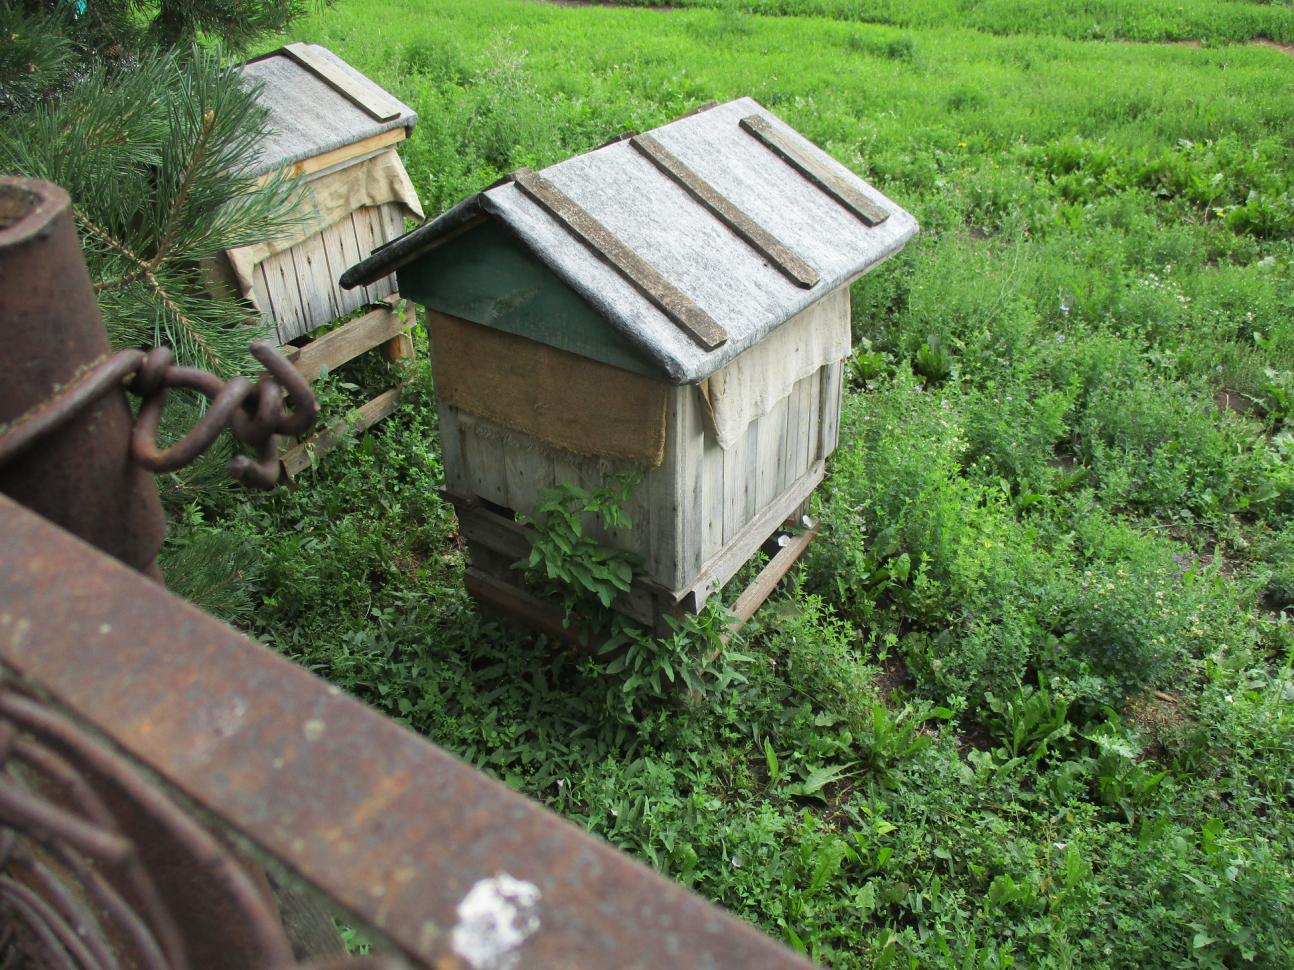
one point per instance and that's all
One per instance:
(1028, 700)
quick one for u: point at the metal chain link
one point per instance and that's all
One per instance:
(254, 412)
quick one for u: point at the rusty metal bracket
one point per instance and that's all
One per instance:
(644, 277)
(397, 831)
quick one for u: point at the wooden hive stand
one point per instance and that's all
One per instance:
(385, 327)
(335, 132)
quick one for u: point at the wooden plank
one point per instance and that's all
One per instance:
(742, 226)
(314, 281)
(790, 446)
(285, 295)
(377, 104)
(831, 396)
(483, 462)
(749, 474)
(370, 232)
(689, 507)
(814, 170)
(309, 452)
(754, 595)
(261, 290)
(734, 464)
(527, 472)
(812, 438)
(737, 551)
(342, 301)
(644, 277)
(392, 221)
(800, 432)
(786, 474)
(451, 448)
(772, 431)
(365, 146)
(342, 246)
(345, 343)
(400, 348)
(712, 496)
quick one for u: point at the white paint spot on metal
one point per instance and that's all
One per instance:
(313, 729)
(105, 628)
(494, 919)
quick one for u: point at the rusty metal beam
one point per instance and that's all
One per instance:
(419, 845)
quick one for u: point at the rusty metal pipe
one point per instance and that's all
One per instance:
(81, 477)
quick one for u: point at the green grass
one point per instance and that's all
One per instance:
(1029, 701)
(1209, 21)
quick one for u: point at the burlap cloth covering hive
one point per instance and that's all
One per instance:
(557, 398)
(327, 200)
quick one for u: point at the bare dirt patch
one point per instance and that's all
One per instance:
(1229, 400)
(1276, 45)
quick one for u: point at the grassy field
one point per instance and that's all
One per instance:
(1030, 700)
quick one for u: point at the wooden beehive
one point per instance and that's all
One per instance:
(677, 302)
(336, 131)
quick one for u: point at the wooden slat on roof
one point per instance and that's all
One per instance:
(756, 236)
(668, 298)
(813, 170)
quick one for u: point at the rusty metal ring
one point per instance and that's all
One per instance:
(150, 379)
(258, 418)
(305, 407)
(224, 402)
(261, 473)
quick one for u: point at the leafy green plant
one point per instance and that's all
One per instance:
(567, 562)
(1029, 724)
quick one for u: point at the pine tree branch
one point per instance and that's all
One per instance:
(182, 196)
(145, 272)
(191, 328)
(112, 242)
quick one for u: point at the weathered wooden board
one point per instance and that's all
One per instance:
(451, 449)
(345, 343)
(812, 438)
(528, 471)
(309, 452)
(712, 496)
(284, 293)
(754, 595)
(377, 104)
(487, 471)
(738, 550)
(677, 507)
(831, 394)
(318, 288)
(342, 245)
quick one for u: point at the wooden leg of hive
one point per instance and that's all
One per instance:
(400, 347)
